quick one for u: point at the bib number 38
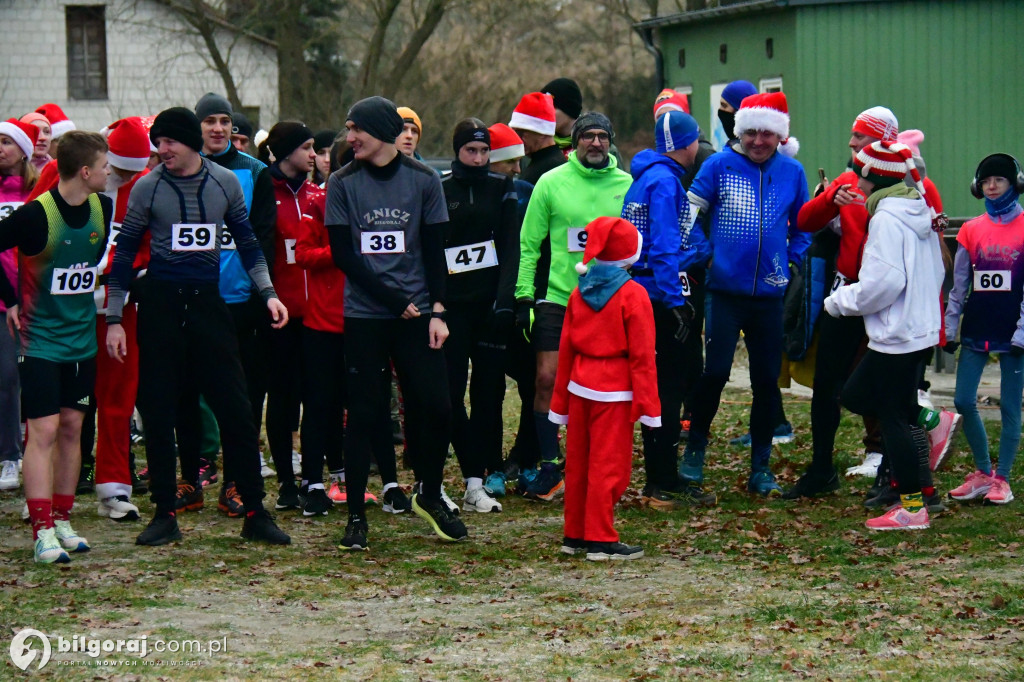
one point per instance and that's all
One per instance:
(382, 242)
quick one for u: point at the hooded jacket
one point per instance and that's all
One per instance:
(325, 309)
(292, 206)
(900, 276)
(564, 202)
(656, 204)
(12, 196)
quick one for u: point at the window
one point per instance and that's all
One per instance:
(682, 58)
(770, 84)
(87, 51)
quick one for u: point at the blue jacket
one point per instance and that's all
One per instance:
(656, 204)
(753, 210)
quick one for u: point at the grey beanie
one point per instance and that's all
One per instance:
(377, 116)
(589, 120)
(210, 104)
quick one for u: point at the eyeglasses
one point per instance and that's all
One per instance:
(592, 136)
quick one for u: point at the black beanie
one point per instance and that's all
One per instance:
(324, 138)
(467, 135)
(210, 104)
(240, 125)
(377, 116)
(178, 123)
(567, 96)
(287, 136)
(997, 165)
(588, 121)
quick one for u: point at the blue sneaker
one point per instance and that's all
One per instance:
(691, 467)
(783, 433)
(547, 485)
(525, 478)
(495, 484)
(763, 483)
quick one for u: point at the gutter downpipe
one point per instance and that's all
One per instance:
(647, 37)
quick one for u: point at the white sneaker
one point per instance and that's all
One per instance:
(9, 475)
(869, 467)
(266, 471)
(48, 549)
(296, 462)
(24, 513)
(69, 539)
(452, 507)
(924, 399)
(478, 500)
(117, 508)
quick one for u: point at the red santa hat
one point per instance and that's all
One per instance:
(129, 144)
(23, 134)
(536, 113)
(767, 111)
(59, 122)
(147, 124)
(505, 143)
(611, 241)
(670, 100)
(877, 122)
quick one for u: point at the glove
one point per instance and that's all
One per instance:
(832, 308)
(1016, 351)
(684, 318)
(951, 346)
(524, 306)
(504, 321)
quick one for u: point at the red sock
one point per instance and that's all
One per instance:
(929, 491)
(62, 505)
(40, 513)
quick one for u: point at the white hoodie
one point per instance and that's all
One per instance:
(900, 281)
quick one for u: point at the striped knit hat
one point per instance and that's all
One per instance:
(886, 164)
(877, 122)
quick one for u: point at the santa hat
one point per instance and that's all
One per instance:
(23, 134)
(670, 100)
(129, 143)
(147, 124)
(877, 122)
(505, 144)
(768, 111)
(611, 241)
(536, 113)
(913, 139)
(59, 123)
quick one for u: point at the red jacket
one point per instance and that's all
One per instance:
(325, 310)
(288, 276)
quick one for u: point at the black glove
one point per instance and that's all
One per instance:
(684, 318)
(951, 346)
(524, 306)
(504, 321)
(1016, 351)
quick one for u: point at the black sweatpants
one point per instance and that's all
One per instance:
(284, 394)
(323, 385)
(186, 334)
(476, 436)
(370, 347)
(840, 340)
(521, 365)
(674, 364)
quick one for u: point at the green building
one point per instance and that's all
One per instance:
(947, 67)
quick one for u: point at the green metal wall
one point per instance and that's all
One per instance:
(948, 67)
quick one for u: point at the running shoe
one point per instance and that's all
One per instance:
(869, 467)
(117, 508)
(547, 486)
(524, 478)
(137, 436)
(161, 530)
(297, 463)
(783, 433)
(395, 501)
(572, 546)
(999, 493)
(207, 475)
(230, 502)
(976, 485)
(337, 493)
(813, 484)
(265, 470)
(369, 498)
(613, 551)
(934, 504)
(287, 497)
(446, 525)
(48, 549)
(495, 484)
(69, 539)
(478, 500)
(259, 526)
(9, 475)
(86, 477)
(317, 503)
(684, 429)
(886, 497)
(691, 465)
(941, 439)
(355, 535)
(139, 485)
(899, 518)
(188, 497)
(694, 495)
(763, 483)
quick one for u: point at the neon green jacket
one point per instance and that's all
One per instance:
(564, 202)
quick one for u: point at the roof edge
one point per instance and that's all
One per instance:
(738, 8)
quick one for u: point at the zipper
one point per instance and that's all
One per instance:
(760, 227)
(305, 278)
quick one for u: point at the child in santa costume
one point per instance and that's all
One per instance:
(606, 380)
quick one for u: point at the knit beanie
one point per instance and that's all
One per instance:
(675, 130)
(877, 122)
(33, 116)
(567, 96)
(997, 165)
(240, 125)
(767, 111)
(505, 144)
(211, 104)
(913, 139)
(379, 117)
(670, 100)
(589, 121)
(536, 113)
(410, 116)
(24, 135)
(324, 138)
(287, 136)
(180, 124)
(128, 144)
(886, 164)
(59, 122)
(467, 135)
(735, 92)
(611, 241)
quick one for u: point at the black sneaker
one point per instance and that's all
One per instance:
(813, 484)
(137, 436)
(572, 546)
(161, 530)
(260, 526)
(288, 497)
(317, 503)
(139, 485)
(935, 504)
(883, 481)
(448, 526)
(883, 500)
(355, 534)
(655, 497)
(207, 473)
(394, 501)
(613, 551)
(188, 498)
(86, 477)
(694, 495)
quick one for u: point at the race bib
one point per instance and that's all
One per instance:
(577, 239)
(684, 284)
(838, 283)
(73, 281)
(227, 242)
(289, 251)
(991, 280)
(9, 207)
(193, 236)
(471, 257)
(382, 242)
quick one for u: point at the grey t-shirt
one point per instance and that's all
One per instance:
(386, 217)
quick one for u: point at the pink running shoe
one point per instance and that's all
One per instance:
(899, 518)
(976, 485)
(369, 498)
(337, 493)
(999, 493)
(941, 439)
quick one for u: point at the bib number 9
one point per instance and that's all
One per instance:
(382, 242)
(193, 237)
(577, 239)
(684, 284)
(68, 281)
(992, 280)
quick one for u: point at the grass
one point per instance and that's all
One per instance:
(748, 589)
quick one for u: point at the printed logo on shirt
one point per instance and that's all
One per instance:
(386, 216)
(1006, 253)
(778, 278)
(94, 238)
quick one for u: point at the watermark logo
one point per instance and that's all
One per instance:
(22, 652)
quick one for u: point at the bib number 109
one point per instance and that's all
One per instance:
(73, 281)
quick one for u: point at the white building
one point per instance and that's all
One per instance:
(101, 62)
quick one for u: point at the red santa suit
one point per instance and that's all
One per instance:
(606, 379)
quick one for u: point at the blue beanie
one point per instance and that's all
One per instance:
(675, 130)
(735, 92)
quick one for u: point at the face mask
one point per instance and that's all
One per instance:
(728, 119)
